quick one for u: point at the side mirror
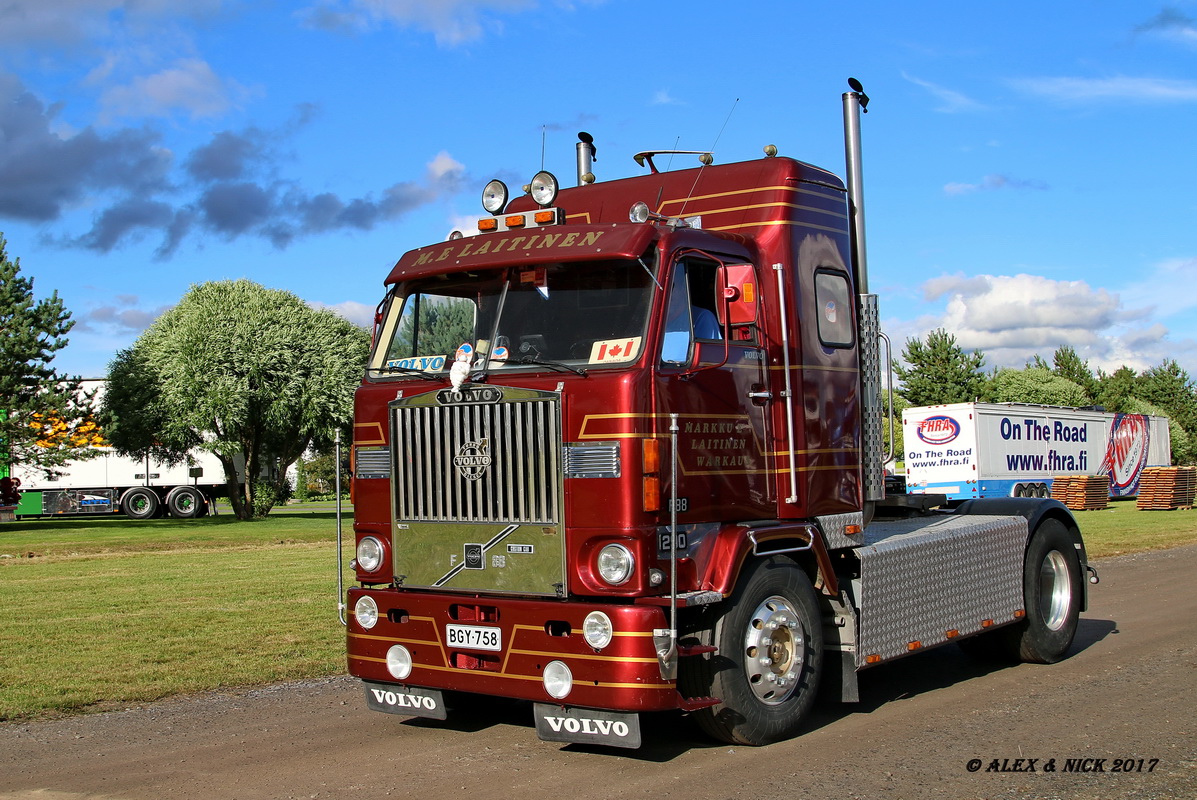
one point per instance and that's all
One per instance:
(737, 294)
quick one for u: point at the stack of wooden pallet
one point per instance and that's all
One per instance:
(1167, 488)
(1082, 492)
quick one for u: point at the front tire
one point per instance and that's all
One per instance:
(139, 503)
(769, 661)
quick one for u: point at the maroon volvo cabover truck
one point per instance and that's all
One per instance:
(619, 450)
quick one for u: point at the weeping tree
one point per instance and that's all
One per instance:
(254, 375)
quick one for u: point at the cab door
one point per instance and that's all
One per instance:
(712, 372)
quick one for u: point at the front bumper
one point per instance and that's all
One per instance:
(624, 676)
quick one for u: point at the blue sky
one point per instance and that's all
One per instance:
(1029, 167)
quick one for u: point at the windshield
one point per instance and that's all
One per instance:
(580, 316)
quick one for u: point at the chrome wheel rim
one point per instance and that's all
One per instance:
(774, 650)
(1055, 590)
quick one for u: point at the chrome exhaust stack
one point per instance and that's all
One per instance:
(868, 316)
(586, 158)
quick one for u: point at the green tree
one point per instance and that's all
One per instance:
(1170, 387)
(1115, 389)
(253, 374)
(1035, 385)
(1068, 365)
(939, 371)
(47, 419)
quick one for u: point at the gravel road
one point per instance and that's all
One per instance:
(1126, 697)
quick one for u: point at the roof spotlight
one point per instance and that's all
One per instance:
(543, 188)
(494, 197)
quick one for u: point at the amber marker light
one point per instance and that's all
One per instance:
(986, 623)
(545, 217)
(873, 659)
(488, 224)
(1020, 613)
(652, 493)
(952, 634)
(912, 646)
(652, 455)
(515, 221)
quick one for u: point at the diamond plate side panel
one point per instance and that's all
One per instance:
(834, 526)
(919, 581)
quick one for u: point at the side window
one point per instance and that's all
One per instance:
(675, 346)
(833, 301)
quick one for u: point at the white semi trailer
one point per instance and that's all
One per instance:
(108, 483)
(973, 450)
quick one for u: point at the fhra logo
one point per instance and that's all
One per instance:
(938, 430)
(1126, 453)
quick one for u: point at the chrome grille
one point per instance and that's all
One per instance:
(486, 462)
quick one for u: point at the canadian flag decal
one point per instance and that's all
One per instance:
(615, 351)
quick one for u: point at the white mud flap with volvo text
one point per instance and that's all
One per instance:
(587, 726)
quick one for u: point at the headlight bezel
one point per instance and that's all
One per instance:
(615, 564)
(365, 559)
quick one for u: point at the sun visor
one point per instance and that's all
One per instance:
(507, 248)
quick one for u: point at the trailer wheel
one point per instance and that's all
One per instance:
(185, 502)
(769, 661)
(139, 503)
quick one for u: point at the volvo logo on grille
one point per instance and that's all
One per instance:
(473, 459)
(469, 395)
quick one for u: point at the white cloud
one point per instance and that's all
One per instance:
(189, 85)
(359, 314)
(992, 183)
(1115, 89)
(1012, 318)
(452, 22)
(662, 97)
(1171, 24)
(1159, 292)
(26, 23)
(950, 101)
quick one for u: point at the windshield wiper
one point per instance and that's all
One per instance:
(554, 365)
(419, 373)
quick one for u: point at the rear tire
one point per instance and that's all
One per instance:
(770, 658)
(185, 502)
(1051, 594)
(1052, 599)
(140, 503)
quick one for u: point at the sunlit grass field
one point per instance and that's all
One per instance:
(95, 611)
(103, 612)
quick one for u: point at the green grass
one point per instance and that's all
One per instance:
(1123, 528)
(113, 611)
(96, 612)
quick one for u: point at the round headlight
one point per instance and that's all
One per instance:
(494, 197)
(639, 212)
(543, 188)
(596, 630)
(399, 662)
(365, 611)
(558, 680)
(615, 564)
(369, 554)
